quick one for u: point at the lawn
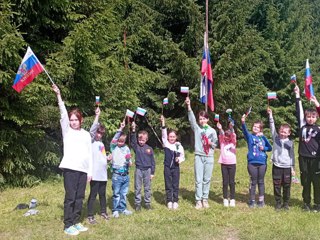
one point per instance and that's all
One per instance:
(217, 222)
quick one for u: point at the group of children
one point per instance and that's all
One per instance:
(85, 159)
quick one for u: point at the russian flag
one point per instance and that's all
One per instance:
(308, 88)
(184, 89)
(141, 111)
(165, 101)
(29, 68)
(272, 95)
(129, 113)
(293, 78)
(216, 117)
(97, 100)
(206, 93)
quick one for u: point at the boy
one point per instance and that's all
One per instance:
(99, 180)
(121, 161)
(309, 152)
(145, 167)
(283, 162)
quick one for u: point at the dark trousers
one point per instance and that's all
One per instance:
(171, 180)
(97, 187)
(310, 174)
(281, 178)
(228, 172)
(142, 177)
(75, 187)
(257, 173)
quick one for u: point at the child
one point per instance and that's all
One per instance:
(227, 159)
(121, 161)
(258, 145)
(283, 162)
(145, 167)
(76, 165)
(205, 142)
(173, 156)
(309, 152)
(99, 180)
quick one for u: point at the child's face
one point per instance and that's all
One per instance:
(227, 138)
(284, 132)
(311, 118)
(256, 128)
(98, 136)
(203, 121)
(74, 122)
(172, 137)
(142, 140)
(121, 142)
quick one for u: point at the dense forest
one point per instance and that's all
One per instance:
(134, 53)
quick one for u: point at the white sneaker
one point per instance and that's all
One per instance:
(169, 205)
(115, 214)
(175, 206)
(198, 205)
(232, 203)
(205, 203)
(226, 202)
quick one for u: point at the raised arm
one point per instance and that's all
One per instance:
(191, 117)
(271, 122)
(64, 120)
(244, 127)
(299, 108)
(95, 124)
(164, 132)
(116, 137)
(134, 143)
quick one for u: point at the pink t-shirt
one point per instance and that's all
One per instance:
(228, 150)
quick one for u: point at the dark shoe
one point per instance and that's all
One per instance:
(105, 216)
(316, 208)
(285, 206)
(277, 207)
(138, 208)
(306, 207)
(252, 203)
(260, 204)
(148, 206)
(91, 220)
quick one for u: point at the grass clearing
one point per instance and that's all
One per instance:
(217, 222)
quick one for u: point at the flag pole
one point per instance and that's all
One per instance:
(206, 77)
(48, 75)
(154, 132)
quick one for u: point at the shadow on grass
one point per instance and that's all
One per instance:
(160, 197)
(188, 195)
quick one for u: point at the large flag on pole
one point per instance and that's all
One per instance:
(29, 68)
(206, 92)
(308, 88)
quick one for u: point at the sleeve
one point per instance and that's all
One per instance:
(245, 131)
(267, 146)
(291, 154)
(153, 164)
(272, 128)
(234, 138)
(318, 110)
(128, 155)
(299, 112)
(214, 138)
(221, 137)
(192, 120)
(114, 140)
(134, 143)
(182, 155)
(164, 136)
(90, 170)
(93, 130)
(64, 120)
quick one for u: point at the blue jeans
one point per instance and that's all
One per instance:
(120, 187)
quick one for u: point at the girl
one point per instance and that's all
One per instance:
(205, 142)
(173, 156)
(76, 165)
(227, 159)
(258, 145)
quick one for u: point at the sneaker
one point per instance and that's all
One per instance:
(285, 206)
(91, 220)
(316, 208)
(175, 206)
(71, 231)
(226, 202)
(169, 205)
(278, 206)
(260, 204)
(205, 203)
(198, 205)
(138, 208)
(306, 207)
(126, 212)
(80, 227)
(115, 214)
(232, 203)
(148, 206)
(105, 216)
(252, 203)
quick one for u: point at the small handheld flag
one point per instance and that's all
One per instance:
(141, 111)
(98, 100)
(29, 68)
(293, 79)
(184, 89)
(308, 88)
(230, 119)
(272, 95)
(216, 117)
(165, 101)
(129, 113)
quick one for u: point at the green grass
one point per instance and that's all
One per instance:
(216, 222)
